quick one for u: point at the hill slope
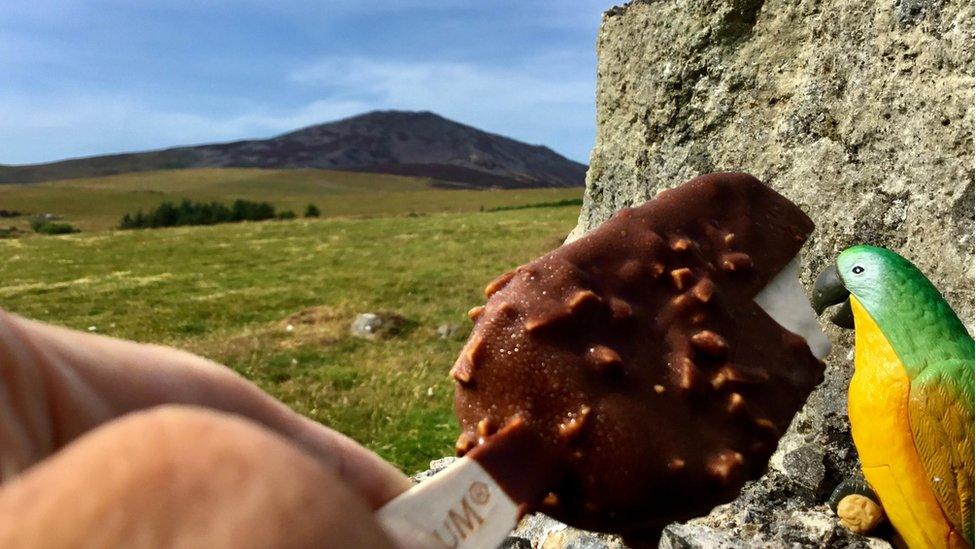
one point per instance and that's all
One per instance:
(97, 203)
(399, 142)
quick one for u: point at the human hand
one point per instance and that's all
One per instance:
(109, 443)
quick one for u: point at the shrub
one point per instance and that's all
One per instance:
(287, 214)
(553, 204)
(186, 212)
(245, 210)
(312, 211)
(51, 227)
(10, 232)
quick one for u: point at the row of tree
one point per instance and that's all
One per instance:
(169, 214)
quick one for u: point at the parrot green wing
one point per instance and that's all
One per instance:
(942, 428)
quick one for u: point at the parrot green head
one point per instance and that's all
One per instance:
(877, 277)
(897, 296)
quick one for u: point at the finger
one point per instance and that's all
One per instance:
(183, 477)
(56, 384)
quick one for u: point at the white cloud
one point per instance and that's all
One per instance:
(534, 99)
(448, 82)
(537, 100)
(100, 124)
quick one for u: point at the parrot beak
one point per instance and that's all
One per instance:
(829, 290)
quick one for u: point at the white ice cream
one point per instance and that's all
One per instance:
(785, 301)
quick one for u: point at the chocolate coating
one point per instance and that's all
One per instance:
(653, 383)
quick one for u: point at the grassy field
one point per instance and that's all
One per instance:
(99, 203)
(229, 292)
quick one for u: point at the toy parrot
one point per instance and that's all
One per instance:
(910, 400)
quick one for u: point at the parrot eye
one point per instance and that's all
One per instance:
(857, 269)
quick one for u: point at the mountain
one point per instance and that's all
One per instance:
(398, 142)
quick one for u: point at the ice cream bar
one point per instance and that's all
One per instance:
(641, 374)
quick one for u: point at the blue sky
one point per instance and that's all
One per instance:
(83, 77)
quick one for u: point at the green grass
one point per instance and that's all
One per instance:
(229, 292)
(99, 203)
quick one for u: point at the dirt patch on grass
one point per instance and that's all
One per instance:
(320, 314)
(319, 325)
(314, 326)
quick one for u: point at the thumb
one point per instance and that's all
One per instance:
(177, 476)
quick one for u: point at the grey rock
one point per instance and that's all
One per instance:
(909, 12)
(513, 542)
(448, 330)
(865, 123)
(376, 325)
(768, 513)
(536, 528)
(805, 466)
(692, 536)
(436, 466)
(571, 538)
(860, 112)
(542, 532)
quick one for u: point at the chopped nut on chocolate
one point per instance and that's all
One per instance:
(682, 277)
(688, 375)
(581, 299)
(710, 343)
(736, 403)
(680, 244)
(703, 290)
(604, 358)
(498, 283)
(485, 427)
(475, 312)
(736, 261)
(620, 309)
(571, 427)
(464, 443)
(724, 464)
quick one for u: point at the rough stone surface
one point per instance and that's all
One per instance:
(805, 466)
(803, 528)
(376, 325)
(541, 532)
(860, 112)
(448, 330)
(436, 466)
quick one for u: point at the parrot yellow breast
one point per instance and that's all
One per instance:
(878, 401)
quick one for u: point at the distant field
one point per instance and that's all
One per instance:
(229, 292)
(98, 203)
